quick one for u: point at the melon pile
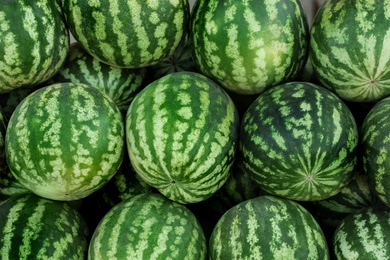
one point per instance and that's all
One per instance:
(229, 130)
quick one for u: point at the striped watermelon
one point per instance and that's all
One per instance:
(65, 141)
(299, 141)
(181, 133)
(148, 226)
(34, 42)
(267, 227)
(32, 227)
(121, 85)
(350, 49)
(363, 235)
(249, 46)
(375, 135)
(128, 34)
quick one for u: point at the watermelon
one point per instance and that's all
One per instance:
(249, 46)
(128, 34)
(375, 135)
(349, 48)
(121, 85)
(267, 227)
(65, 141)
(32, 227)
(148, 226)
(34, 42)
(298, 140)
(181, 133)
(363, 235)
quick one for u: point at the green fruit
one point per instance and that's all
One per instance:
(349, 48)
(65, 141)
(299, 141)
(148, 226)
(128, 34)
(363, 235)
(267, 227)
(34, 42)
(375, 135)
(181, 133)
(249, 46)
(32, 227)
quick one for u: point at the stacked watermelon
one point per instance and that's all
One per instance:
(233, 132)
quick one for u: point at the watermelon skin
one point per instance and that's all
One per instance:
(349, 49)
(363, 235)
(267, 227)
(148, 226)
(249, 46)
(181, 134)
(121, 85)
(65, 141)
(128, 34)
(375, 135)
(32, 227)
(34, 42)
(299, 141)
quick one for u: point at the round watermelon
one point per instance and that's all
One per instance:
(375, 135)
(65, 141)
(363, 235)
(181, 133)
(148, 226)
(34, 42)
(128, 34)
(249, 46)
(349, 48)
(267, 227)
(299, 141)
(32, 227)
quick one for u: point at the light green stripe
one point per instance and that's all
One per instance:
(8, 229)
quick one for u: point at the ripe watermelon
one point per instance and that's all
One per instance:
(299, 141)
(181, 133)
(267, 227)
(32, 227)
(249, 46)
(65, 141)
(363, 235)
(148, 226)
(128, 34)
(375, 135)
(121, 85)
(349, 46)
(34, 42)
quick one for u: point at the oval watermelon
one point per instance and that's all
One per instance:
(128, 34)
(181, 133)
